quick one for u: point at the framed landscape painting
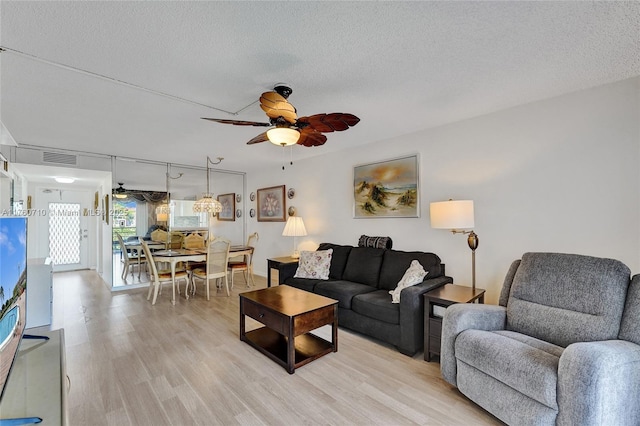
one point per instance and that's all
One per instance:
(272, 204)
(228, 202)
(386, 189)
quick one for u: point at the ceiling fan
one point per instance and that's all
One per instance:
(287, 127)
(120, 192)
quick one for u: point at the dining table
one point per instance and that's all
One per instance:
(175, 256)
(137, 246)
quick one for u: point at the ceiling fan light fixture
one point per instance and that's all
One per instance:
(120, 192)
(283, 136)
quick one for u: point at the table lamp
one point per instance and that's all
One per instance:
(457, 216)
(294, 228)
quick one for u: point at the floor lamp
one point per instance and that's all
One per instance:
(457, 216)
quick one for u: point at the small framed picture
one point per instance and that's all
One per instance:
(228, 202)
(252, 212)
(272, 205)
(106, 208)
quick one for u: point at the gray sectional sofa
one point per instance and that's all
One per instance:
(360, 279)
(562, 347)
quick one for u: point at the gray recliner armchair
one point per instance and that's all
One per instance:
(562, 347)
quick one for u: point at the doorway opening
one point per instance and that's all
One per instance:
(64, 233)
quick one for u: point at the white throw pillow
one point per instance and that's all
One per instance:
(314, 264)
(412, 276)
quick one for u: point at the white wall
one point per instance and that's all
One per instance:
(556, 175)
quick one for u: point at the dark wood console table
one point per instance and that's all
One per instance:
(442, 297)
(279, 263)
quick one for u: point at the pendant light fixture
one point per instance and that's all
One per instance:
(207, 204)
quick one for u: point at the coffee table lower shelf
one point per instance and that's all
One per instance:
(274, 345)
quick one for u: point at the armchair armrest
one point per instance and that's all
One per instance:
(461, 317)
(598, 383)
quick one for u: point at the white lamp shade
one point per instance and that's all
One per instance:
(452, 214)
(294, 227)
(207, 204)
(162, 212)
(283, 136)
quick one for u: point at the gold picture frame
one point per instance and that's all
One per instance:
(272, 204)
(228, 202)
(106, 209)
(388, 188)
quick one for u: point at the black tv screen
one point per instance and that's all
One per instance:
(13, 286)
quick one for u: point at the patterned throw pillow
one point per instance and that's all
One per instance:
(314, 264)
(412, 276)
(375, 242)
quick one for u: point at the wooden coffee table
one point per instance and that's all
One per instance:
(288, 315)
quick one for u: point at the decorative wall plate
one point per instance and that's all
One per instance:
(292, 211)
(252, 212)
(291, 193)
(238, 198)
(238, 213)
(252, 196)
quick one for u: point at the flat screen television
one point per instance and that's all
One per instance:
(13, 287)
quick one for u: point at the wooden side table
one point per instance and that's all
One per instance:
(444, 296)
(278, 263)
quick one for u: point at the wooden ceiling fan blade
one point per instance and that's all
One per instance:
(271, 98)
(238, 122)
(262, 137)
(326, 123)
(310, 137)
(275, 105)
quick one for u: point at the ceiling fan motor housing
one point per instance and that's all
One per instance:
(283, 90)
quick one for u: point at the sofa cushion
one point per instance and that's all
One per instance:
(376, 242)
(396, 262)
(363, 266)
(377, 305)
(306, 284)
(338, 260)
(412, 276)
(567, 298)
(314, 264)
(342, 291)
(526, 367)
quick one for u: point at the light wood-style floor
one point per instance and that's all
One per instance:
(131, 363)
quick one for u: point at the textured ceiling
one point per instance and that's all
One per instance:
(399, 66)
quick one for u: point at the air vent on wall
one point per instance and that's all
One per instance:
(58, 158)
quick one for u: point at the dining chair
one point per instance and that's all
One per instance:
(129, 258)
(193, 241)
(176, 240)
(159, 235)
(159, 277)
(217, 260)
(245, 265)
